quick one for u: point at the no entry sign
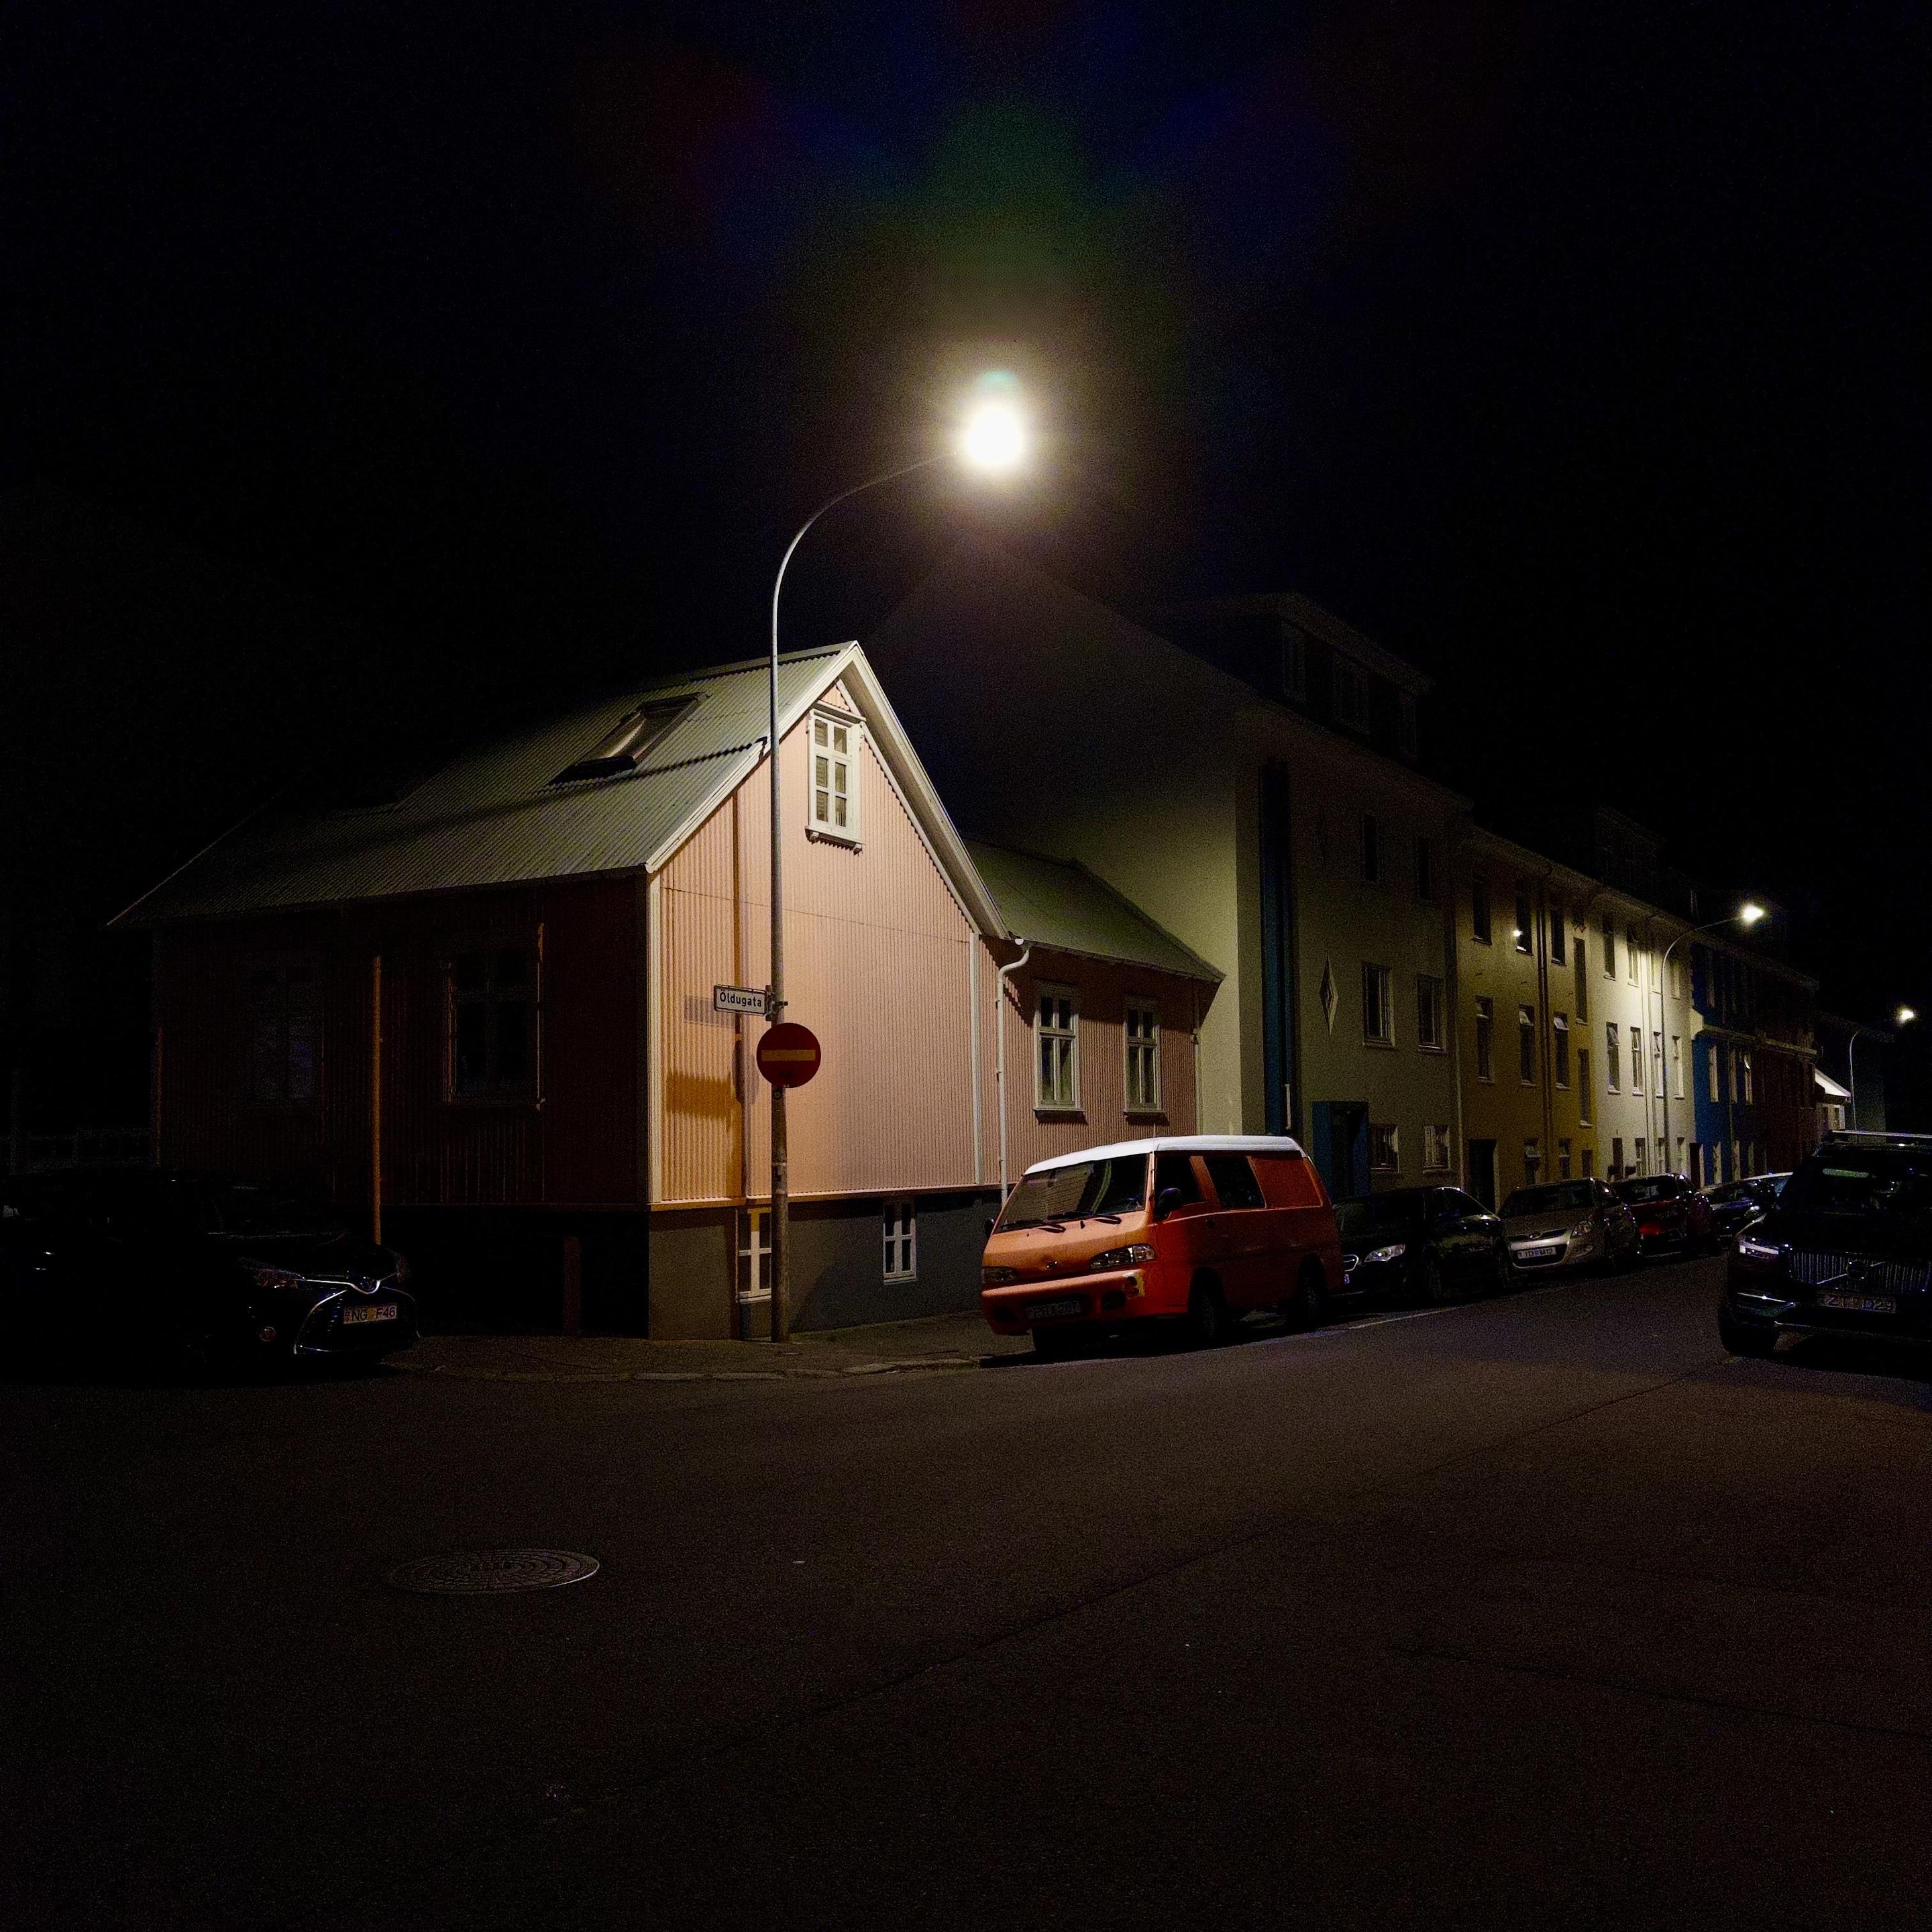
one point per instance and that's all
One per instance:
(788, 1054)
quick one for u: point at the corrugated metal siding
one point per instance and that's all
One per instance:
(579, 1149)
(1102, 1118)
(876, 965)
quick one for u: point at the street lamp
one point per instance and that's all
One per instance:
(993, 440)
(1747, 915)
(1903, 1017)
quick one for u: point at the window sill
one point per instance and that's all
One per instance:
(819, 837)
(1432, 1049)
(1386, 1045)
(1071, 1114)
(1144, 1113)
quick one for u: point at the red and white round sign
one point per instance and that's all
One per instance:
(788, 1054)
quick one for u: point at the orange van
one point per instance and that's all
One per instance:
(1198, 1229)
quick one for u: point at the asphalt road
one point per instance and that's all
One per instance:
(1533, 1613)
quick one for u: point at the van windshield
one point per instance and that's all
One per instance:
(1083, 1189)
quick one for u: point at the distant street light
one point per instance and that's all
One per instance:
(1904, 1016)
(1747, 915)
(994, 439)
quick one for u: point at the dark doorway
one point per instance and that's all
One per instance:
(1341, 1145)
(1483, 1172)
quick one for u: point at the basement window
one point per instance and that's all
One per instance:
(622, 752)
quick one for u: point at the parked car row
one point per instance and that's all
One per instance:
(156, 1268)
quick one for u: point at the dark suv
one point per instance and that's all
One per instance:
(1846, 1249)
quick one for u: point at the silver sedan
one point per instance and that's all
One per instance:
(1568, 1224)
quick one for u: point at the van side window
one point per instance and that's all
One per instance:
(1177, 1171)
(1233, 1179)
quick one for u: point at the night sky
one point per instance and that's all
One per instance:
(485, 353)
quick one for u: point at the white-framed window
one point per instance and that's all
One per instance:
(1378, 1011)
(1559, 931)
(1677, 1065)
(1636, 1059)
(284, 1030)
(1559, 1051)
(1657, 1065)
(1141, 1030)
(1582, 1086)
(1637, 1157)
(1523, 931)
(834, 775)
(1057, 1047)
(1436, 1150)
(1486, 1037)
(1612, 1066)
(754, 1254)
(1609, 949)
(1630, 953)
(1429, 1010)
(901, 1225)
(1532, 1162)
(1385, 1148)
(1293, 662)
(1351, 694)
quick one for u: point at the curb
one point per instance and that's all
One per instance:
(443, 1369)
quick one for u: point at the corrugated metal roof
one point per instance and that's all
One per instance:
(492, 817)
(1065, 906)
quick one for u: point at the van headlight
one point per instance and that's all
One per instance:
(1751, 1248)
(1394, 1251)
(998, 1277)
(1122, 1258)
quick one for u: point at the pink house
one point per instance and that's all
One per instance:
(483, 1009)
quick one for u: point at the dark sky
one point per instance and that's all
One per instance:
(1577, 353)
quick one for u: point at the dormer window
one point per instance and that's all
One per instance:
(1351, 695)
(1294, 663)
(620, 754)
(1406, 735)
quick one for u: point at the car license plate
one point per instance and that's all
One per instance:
(1045, 1311)
(1542, 1254)
(375, 1311)
(1860, 1304)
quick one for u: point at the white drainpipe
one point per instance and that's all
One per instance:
(999, 988)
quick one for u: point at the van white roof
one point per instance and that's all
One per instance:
(1277, 1144)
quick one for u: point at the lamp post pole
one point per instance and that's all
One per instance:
(777, 1258)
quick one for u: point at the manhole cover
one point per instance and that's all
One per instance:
(470, 1572)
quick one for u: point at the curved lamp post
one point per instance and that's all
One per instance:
(994, 439)
(1747, 915)
(1903, 1017)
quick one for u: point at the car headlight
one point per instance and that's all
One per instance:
(275, 1278)
(1394, 1251)
(1750, 1248)
(1122, 1258)
(1583, 1230)
(997, 1277)
(400, 1274)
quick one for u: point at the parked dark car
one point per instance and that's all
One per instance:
(158, 1269)
(1569, 1224)
(1846, 1249)
(1734, 1202)
(1419, 1244)
(1671, 1214)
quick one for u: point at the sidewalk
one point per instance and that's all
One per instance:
(935, 1342)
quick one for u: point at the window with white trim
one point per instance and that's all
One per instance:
(1526, 1044)
(1582, 1086)
(1378, 1014)
(1559, 1048)
(1612, 1067)
(1057, 1048)
(1677, 1065)
(1142, 1029)
(1429, 1009)
(835, 738)
(902, 1241)
(1435, 1150)
(1385, 1148)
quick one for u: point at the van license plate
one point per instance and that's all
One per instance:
(377, 1311)
(1860, 1304)
(1047, 1311)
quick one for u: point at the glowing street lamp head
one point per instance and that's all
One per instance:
(1749, 913)
(1905, 1016)
(994, 439)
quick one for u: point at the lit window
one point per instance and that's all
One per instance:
(1436, 1150)
(902, 1242)
(492, 1024)
(1057, 1043)
(1142, 1029)
(1377, 1018)
(1486, 1026)
(1351, 695)
(1429, 1014)
(284, 1030)
(1523, 931)
(1525, 1043)
(1744, 1076)
(835, 776)
(622, 751)
(1385, 1151)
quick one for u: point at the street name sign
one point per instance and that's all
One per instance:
(788, 1054)
(738, 1000)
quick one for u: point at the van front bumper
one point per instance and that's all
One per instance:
(1066, 1300)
